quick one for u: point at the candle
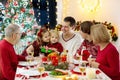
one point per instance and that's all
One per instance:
(44, 59)
(55, 61)
(63, 58)
(69, 78)
(90, 73)
(74, 77)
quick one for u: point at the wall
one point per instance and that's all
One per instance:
(108, 11)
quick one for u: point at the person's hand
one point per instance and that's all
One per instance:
(91, 60)
(76, 56)
(37, 58)
(94, 64)
(29, 58)
(54, 49)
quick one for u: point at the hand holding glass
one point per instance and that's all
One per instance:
(31, 55)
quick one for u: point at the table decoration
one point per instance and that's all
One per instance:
(61, 65)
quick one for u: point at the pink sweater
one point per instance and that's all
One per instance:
(109, 61)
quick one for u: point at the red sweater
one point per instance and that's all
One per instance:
(57, 46)
(109, 61)
(8, 61)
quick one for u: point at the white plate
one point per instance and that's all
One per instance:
(78, 61)
(76, 69)
(28, 72)
(24, 63)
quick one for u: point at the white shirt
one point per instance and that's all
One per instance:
(71, 45)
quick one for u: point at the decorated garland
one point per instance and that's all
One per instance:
(110, 28)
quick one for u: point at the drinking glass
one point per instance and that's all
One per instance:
(82, 67)
(31, 54)
(41, 69)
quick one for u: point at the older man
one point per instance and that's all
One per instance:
(8, 57)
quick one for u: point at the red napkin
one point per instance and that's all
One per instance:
(44, 59)
(98, 72)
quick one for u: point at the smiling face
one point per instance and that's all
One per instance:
(54, 38)
(46, 37)
(66, 27)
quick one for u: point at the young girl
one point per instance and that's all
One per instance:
(41, 40)
(54, 44)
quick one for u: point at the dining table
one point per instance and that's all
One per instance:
(29, 71)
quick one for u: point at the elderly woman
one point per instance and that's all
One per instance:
(108, 57)
(8, 57)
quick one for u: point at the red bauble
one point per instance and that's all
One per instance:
(23, 9)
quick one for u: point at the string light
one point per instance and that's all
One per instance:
(65, 8)
(90, 6)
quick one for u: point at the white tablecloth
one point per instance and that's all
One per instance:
(33, 71)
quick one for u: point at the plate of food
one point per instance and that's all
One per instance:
(25, 63)
(59, 73)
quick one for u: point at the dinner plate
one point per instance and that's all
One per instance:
(78, 62)
(31, 73)
(28, 72)
(25, 63)
(76, 69)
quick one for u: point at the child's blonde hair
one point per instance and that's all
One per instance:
(54, 32)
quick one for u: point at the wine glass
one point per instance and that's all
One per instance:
(82, 67)
(31, 54)
(41, 69)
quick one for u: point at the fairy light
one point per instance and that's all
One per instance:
(65, 8)
(90, 6)
(47, 10)
(57, 11)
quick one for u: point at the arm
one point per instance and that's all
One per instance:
(113, 62)
(60, 48)
(78, 46)
(21, 58)
(7, 68)
(30, 49)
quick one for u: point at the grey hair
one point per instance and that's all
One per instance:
(12, 28)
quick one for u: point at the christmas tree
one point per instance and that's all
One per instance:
(19, 12)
